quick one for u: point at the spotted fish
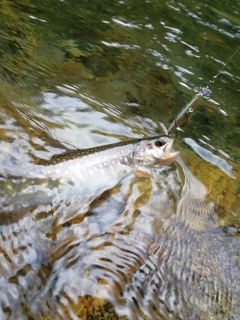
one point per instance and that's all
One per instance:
(85, 174)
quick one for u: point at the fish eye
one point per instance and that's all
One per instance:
(160, 143)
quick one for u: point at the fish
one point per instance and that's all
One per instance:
(83, 175)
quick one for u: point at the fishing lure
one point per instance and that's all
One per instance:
(186, 112)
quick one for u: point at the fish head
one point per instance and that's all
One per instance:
(156, 152)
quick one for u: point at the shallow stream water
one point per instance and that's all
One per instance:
(81, 74)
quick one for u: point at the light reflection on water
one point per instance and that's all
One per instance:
(210, 157)
(82, 76)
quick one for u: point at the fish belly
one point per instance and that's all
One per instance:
(63, 189)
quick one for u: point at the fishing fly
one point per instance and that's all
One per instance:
(188, 110)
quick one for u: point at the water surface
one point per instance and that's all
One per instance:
(80, 75)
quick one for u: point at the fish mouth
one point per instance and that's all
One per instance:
(169, 157)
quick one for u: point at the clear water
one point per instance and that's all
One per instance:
(89, 73)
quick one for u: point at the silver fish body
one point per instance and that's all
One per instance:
(82, 179)
(114, 161)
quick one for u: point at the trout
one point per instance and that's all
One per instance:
(83, 175)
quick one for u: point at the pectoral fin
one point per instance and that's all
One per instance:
(143, 174)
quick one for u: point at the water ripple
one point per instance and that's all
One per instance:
(210, 157)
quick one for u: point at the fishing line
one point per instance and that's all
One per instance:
(188, 110)
(224, 65)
